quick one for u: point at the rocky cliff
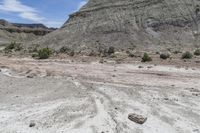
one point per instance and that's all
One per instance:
(129, 24)
(21, 32)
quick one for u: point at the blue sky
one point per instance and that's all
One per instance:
(52, 13)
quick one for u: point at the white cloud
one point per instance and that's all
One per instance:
(22, 10)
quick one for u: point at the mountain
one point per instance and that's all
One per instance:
(148, 25)
(21, 32)
(30, 25)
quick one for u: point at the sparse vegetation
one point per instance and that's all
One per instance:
(44, 53)
(197, 52)
(130, 54)
(107, 52)
(177, 52)
(67, 50)
(146, 58)
(187, 55)
(13, 46)
(34, 48)
(111, 50)
(64, 49)
(164, 56)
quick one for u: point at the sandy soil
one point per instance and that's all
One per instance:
(61, 96)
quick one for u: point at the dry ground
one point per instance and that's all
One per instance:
(76, 97)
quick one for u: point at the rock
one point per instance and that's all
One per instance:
(196, 130)
(166, 99)
(101, 61)
(149, 67)
(137, 118)
(197, 61)
(29, 76)
(113, 75)
(32, 124)
(195, 94)
(140, 67)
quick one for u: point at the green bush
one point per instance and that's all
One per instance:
(64, 50)
(146, 58)
(164, 56)
(44, 53)
(187, 55)
(197, 52)
(13, 46)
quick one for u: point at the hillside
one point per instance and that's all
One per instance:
(139, 24)
(21, 32)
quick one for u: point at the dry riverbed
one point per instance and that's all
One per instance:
(61, 96)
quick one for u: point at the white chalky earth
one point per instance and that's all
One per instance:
(72, 97)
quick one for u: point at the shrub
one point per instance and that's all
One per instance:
(13, 46)
(44, 53)
(164, 56)
(130, 54)
(187, 55)
(111, 50)
(197, 52)
(64, 50)
(67, 51)
(146, 58)
(177, 52)
(18, 47)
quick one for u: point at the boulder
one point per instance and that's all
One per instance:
(137, 118)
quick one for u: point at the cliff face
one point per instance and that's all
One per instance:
(129, 24)
(36, 29)
(21, 32)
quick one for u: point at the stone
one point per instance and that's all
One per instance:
(32, 124)
(149, 67)
(140, 67)
(29, 76)
(137, 118)
(101, 61)
(166, 99)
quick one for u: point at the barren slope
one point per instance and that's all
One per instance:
(129, 24)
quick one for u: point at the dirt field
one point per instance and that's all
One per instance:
(64, 96)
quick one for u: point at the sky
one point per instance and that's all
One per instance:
(52, 13)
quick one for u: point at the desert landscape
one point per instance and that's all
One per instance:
(122, 66)
(73, 97)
